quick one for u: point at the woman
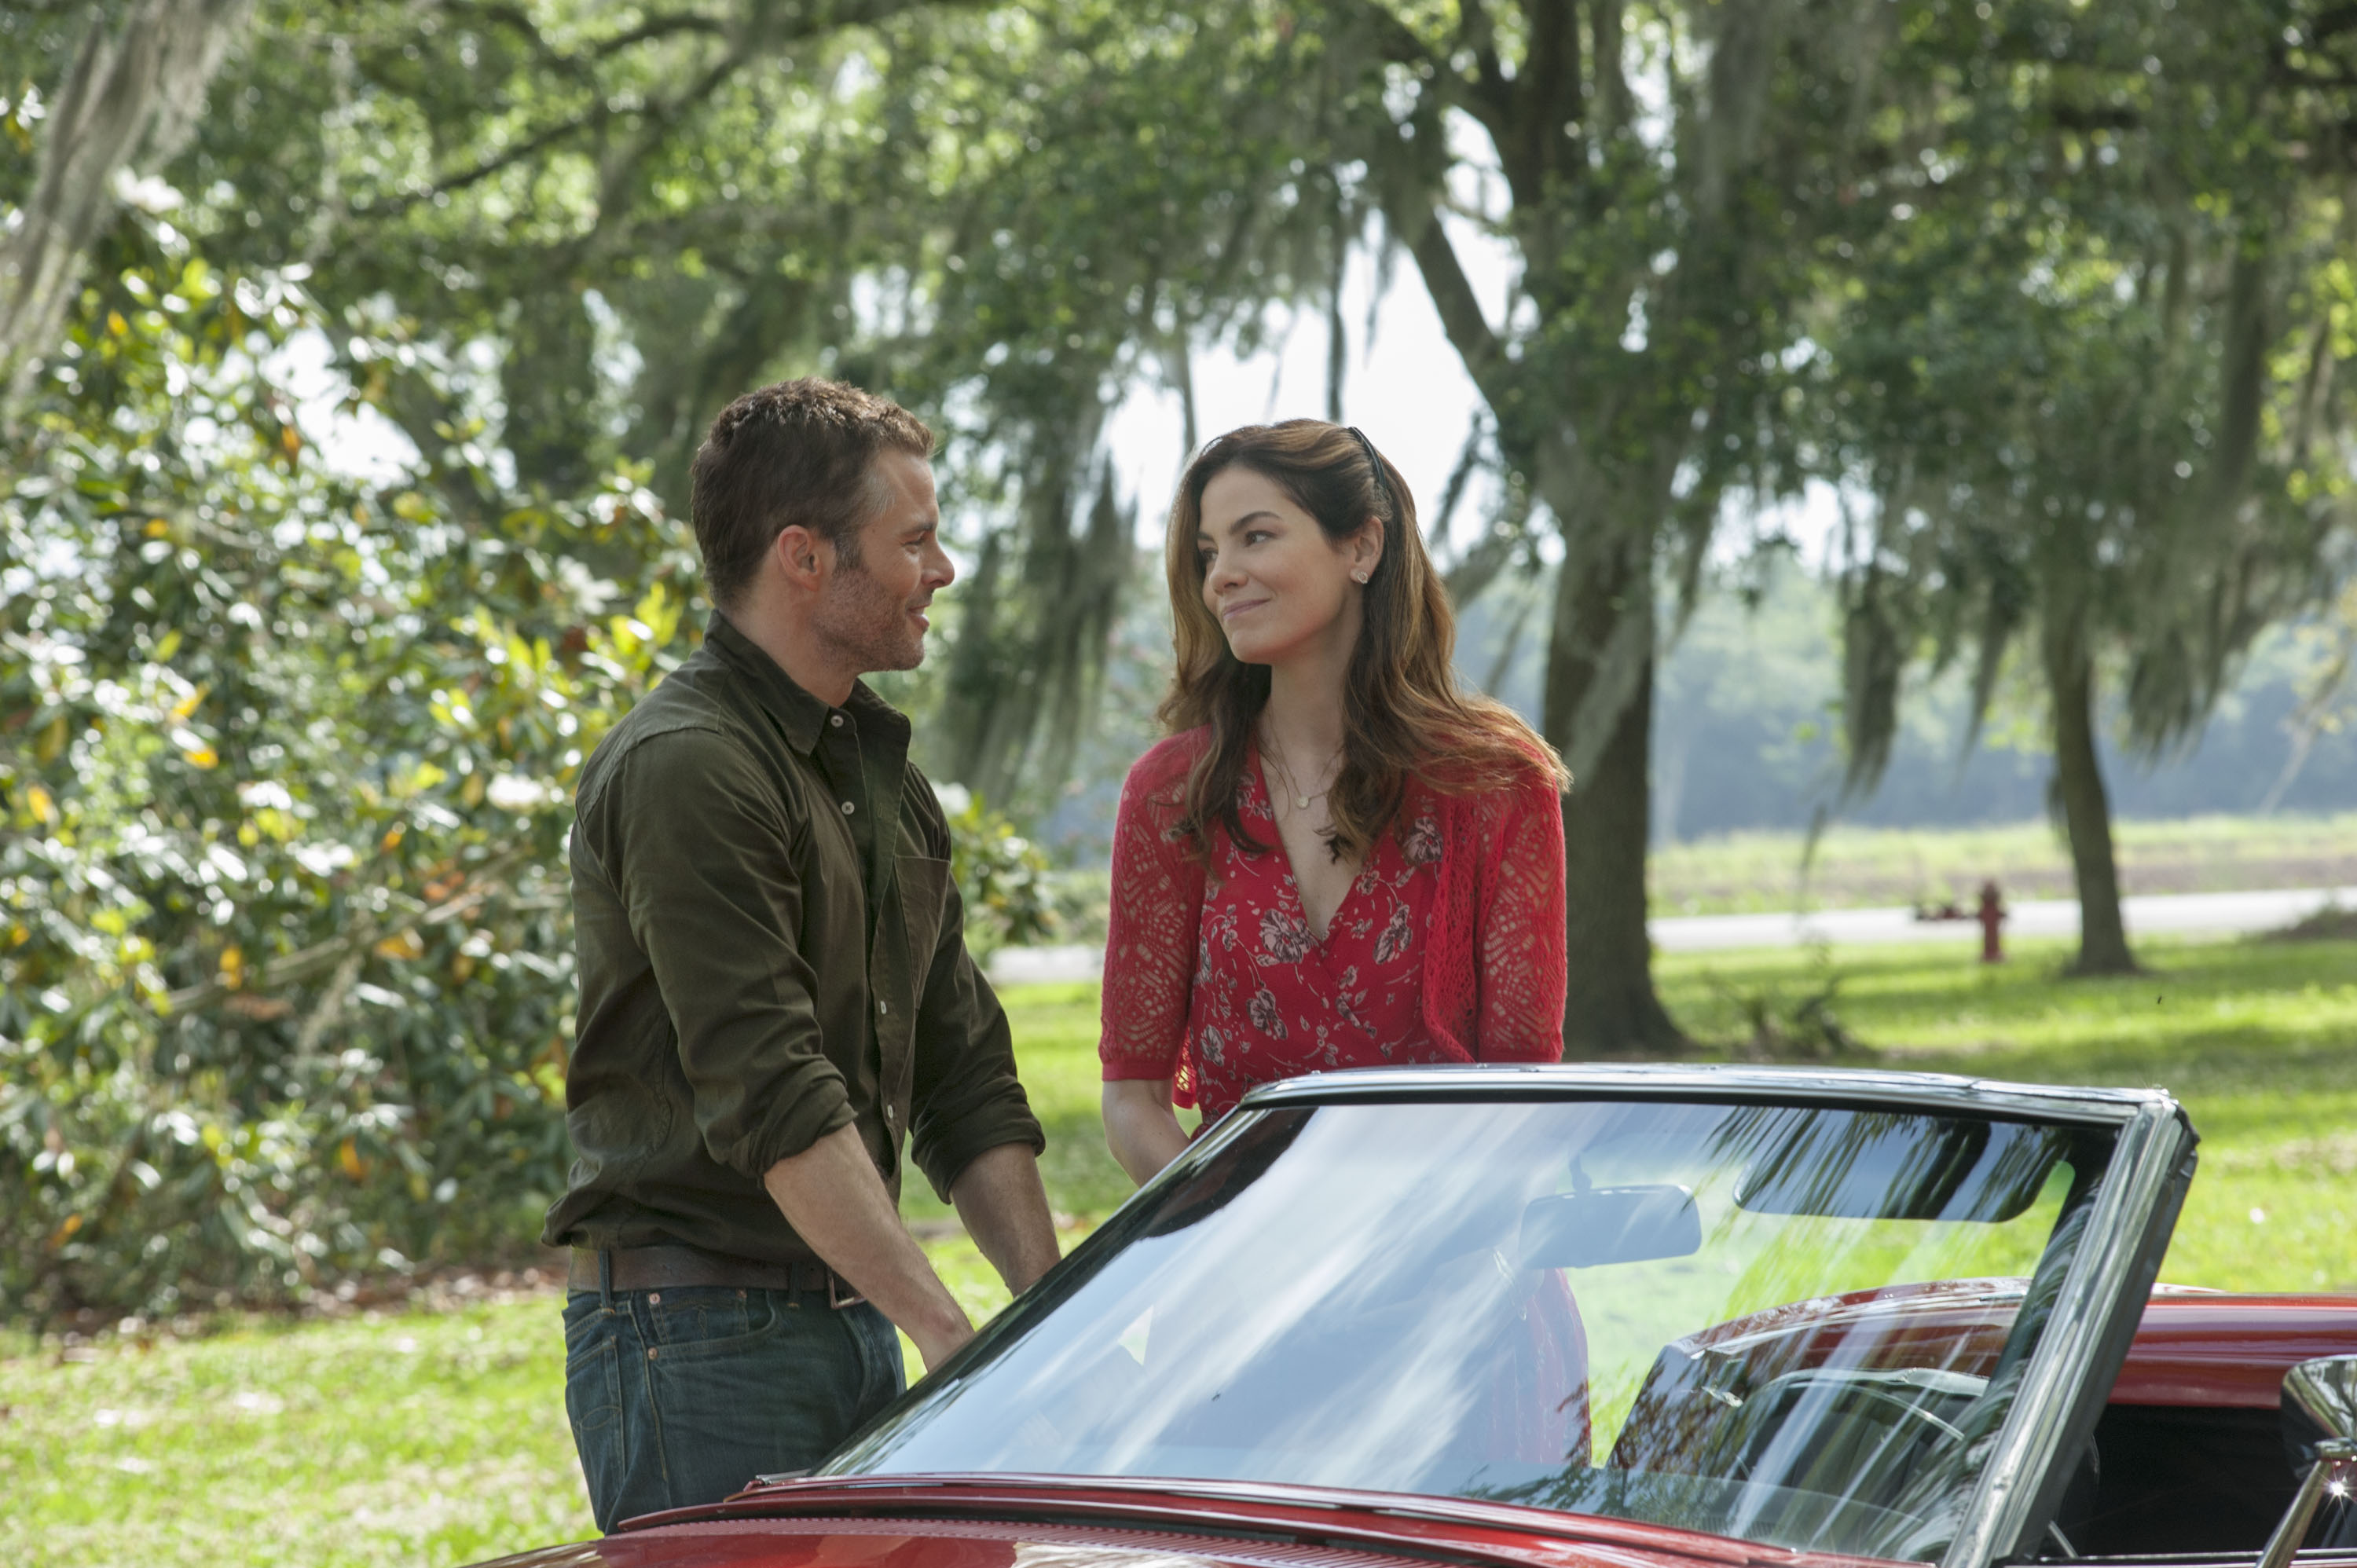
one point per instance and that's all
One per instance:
(1337, 859)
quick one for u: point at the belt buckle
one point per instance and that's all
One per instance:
(836, 1284)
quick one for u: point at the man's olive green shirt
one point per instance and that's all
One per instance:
(771, 946)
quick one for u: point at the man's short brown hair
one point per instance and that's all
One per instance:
(801, 451)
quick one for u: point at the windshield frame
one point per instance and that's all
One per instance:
(2068, 1376)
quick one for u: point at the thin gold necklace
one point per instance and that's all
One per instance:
(1292, 785)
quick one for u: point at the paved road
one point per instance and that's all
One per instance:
(2206, 914)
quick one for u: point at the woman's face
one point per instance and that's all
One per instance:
(1274, 580)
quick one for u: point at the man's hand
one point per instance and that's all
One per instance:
(833, 1196)
(1005, 1209)
(1141, 1128)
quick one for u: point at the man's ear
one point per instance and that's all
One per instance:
(803, 557)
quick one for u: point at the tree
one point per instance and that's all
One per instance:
(1137, 195)
(602, 225)
(588, 232)
(2089, 391)
(1668, 177)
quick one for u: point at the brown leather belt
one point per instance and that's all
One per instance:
(691, 1268)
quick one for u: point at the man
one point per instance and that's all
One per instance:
(775, 990)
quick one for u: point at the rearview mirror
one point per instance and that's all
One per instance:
(1597, 1225)
(2317, 1396)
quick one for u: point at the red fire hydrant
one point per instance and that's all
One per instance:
(1992, 918)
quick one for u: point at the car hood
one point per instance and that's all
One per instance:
(999, 1521)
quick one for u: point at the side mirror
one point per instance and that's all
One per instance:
(1610, 1225)
(2319, 1394)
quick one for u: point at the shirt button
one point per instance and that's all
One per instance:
(848, 808)
(882, 1005)
(836, 721)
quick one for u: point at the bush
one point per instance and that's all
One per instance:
(286, 767)
(1009, 891)
(285, 771)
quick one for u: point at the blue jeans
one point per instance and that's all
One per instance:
(680, 1397)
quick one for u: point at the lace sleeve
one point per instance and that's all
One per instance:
(1150, 937)
(1520, 935)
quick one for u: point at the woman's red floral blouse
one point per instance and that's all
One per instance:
(1446, 947)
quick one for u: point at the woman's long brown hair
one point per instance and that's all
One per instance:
(1404, 716)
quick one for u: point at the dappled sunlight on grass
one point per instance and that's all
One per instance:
(439, 1438)
(423, 1439)
(2258, 1040)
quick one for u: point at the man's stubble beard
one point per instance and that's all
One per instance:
(866, 626)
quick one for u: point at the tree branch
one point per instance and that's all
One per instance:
(516, 20)
(1613, 104)
(750, 42)
(1473, 572)
(1418, 224)
(2332, 21)
(657, 125)
(1491, 94)
(2093, 117)
(1395, 43)
(1546, 100)
(528, 148)
(655, 28)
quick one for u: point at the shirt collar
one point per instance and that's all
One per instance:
(800, 715)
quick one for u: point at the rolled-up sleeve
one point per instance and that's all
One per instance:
(702, 866)
(965, 1099)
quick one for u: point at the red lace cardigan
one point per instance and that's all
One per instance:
(1492, 948)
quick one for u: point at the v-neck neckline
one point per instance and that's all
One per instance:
(1292, 882)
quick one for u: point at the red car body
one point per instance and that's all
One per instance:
(2205, 1351)
(2189, 1459)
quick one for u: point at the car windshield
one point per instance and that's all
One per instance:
(1790, 1324)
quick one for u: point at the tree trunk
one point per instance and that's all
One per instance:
(2077, 790)
(138, 90)
(549, 380)
(678, 394)
(1610, 1008)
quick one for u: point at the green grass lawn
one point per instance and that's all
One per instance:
(420, 1439)
(2258, 1040)
(437, 1438)
(1858, 867)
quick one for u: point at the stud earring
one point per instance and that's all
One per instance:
(1359, 577)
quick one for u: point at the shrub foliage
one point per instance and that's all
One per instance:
(286, 761)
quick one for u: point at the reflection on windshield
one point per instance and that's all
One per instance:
(1793, 1324)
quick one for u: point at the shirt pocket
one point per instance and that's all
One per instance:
(925, 886)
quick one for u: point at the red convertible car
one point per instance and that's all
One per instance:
(1572, 1317)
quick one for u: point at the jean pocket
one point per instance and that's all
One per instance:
(693, 1325)
(593, 1408)
(593, 1376)
(778, 1397)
